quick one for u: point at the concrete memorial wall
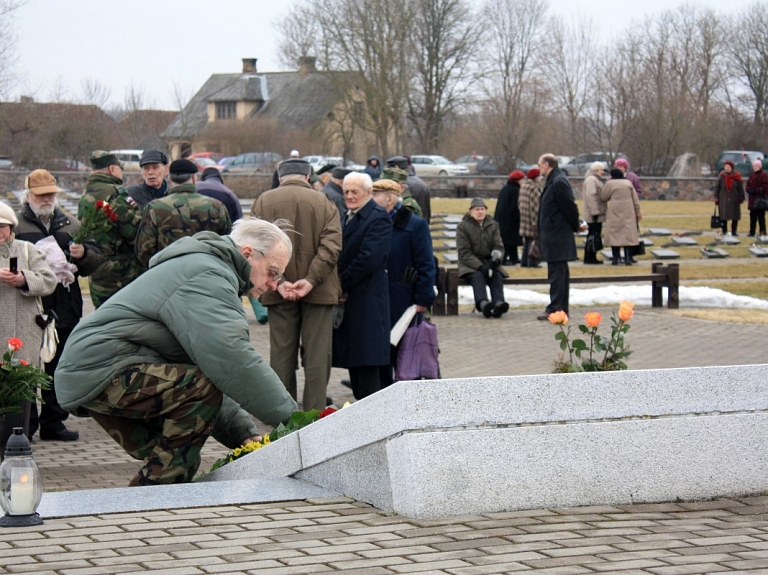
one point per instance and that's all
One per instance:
(432, 449)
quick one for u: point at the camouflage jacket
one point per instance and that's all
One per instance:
(410, 202)
(120, 265)
(183, 212)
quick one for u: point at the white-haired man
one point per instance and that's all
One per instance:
(168, 362)
(361, 342)
(40, 217)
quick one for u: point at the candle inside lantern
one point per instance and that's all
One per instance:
(22, 496)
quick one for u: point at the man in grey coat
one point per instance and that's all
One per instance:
(558, 221)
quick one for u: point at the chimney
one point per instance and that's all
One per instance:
(307, 65)
(249, 65)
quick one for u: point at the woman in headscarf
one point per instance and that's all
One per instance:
(622, 215)
(594, 211)
(507, 214)
(729, 195)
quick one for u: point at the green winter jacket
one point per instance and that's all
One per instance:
(185, 309)
(475, 243)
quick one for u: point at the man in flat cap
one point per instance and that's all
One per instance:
(333, 189)
(416, 186)
(154, 170)
(301, 310)
(211, 184)
(401, 177)
(183, 212)
(120, 265)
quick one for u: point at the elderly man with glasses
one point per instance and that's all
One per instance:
(168, 361)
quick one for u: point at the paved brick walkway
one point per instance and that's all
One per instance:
(340, 534)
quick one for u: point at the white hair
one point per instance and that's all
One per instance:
(360, 178)
(596, 167)
(261, 235)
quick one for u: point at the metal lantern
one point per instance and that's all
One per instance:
(21, 485)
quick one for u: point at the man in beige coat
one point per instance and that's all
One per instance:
(301, 310)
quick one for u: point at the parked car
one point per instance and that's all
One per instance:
(742, 160)
(6, 163)
(470, 162)
(215, 156)
(203, 162)
(129, 158)
(579, 165)
(318, 162)
(226, 160)
(254, 162)
(436, 166)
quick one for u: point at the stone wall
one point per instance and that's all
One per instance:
(250, 186)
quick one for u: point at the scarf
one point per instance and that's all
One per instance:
(729, 179)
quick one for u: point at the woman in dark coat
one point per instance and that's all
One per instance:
(729, 195)
(757, 187)
(361, 342)
(508, 215)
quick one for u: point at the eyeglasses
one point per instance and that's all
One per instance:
(274, 273)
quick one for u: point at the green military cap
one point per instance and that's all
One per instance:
(101, 159)
(395, 174)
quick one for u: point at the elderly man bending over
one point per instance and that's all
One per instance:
(167, 361)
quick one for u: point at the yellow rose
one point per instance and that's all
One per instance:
(593, 319)
(558, 318)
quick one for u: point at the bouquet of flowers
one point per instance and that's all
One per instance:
(298, 420)
(19, 380)
(601, 353)
(97, 219)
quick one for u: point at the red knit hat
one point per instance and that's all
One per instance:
(516, 175)
(533, 173)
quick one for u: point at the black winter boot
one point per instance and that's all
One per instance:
(616, 256)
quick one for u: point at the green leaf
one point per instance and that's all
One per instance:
(579, 344)
(560, 335)
(583, 328)
(563, 345)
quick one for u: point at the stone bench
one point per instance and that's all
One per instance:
(661, 276)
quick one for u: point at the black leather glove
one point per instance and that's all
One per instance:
(495, 264)
(484, 269)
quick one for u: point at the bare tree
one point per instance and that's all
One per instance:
(8, 40)
(445, 36)
(96, 93)
(573, 72)
(510, 89)
(749, 53)
(301, 35)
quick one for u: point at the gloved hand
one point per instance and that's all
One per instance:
(495, 264)
(484, 269)
(496, 255)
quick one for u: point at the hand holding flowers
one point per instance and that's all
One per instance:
(602, 353)
(98, 219)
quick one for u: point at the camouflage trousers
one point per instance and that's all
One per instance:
(161, 413)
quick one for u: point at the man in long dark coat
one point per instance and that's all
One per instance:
(558, 221)
(361, 342)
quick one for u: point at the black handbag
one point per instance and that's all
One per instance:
(594, 243)
(761, 204)
(715, 222)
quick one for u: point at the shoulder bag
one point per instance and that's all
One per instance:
(46, 322)
(417, 353)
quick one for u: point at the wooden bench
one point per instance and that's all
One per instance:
(661, 276)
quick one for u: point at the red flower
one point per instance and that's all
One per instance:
(99, 204)
(112, 217)
(23, 362)
(15, 343)
(327, 411)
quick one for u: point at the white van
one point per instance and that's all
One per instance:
(129, 158)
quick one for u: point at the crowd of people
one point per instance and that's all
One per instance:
(166, 360)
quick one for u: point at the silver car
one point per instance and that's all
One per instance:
(436, 166)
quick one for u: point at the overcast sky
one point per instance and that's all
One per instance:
(157, 45)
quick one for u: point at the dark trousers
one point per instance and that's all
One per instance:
(526, 260)
(52, 416)
(594, 229)
(510, 254)
(368, 379)
(734, 226)
(559, 277)
(755, 217)
(479, 281)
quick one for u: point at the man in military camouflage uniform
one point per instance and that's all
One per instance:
(183, 212)
(120, 265)
(154, 169)
(400, 176)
